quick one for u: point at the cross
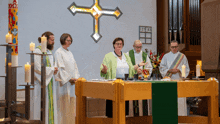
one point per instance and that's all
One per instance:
(96, 11)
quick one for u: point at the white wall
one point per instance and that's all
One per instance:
(38, 16)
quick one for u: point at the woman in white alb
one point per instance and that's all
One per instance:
(67, 75)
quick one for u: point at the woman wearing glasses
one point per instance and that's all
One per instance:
(67, 75)
(116, 64)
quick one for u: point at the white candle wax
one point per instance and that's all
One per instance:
(43, 44)
(14, 60)
(27, 68)
(183, 71)
(32, 46)
(198, 67)
(8, 38)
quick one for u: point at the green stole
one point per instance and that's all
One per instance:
(50, 94)
(135, 102)
(131, 54)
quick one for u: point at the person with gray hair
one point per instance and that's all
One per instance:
(137, 56)
(171, 66)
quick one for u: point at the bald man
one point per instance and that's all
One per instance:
(137, 56)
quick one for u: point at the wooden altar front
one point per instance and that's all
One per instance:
(119, 91)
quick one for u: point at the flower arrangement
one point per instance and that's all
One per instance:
(155, 61)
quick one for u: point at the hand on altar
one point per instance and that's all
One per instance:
(139, 71)
(142, 63)
(104, 69)
(72, 81)
(55, 70)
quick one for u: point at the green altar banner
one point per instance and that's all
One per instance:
(164, 102)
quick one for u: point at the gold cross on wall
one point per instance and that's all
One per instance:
(96, 11)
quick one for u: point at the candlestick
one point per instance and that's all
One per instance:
(27, 72)
(8, 38)
(198, 67)
(183, 71)
(5, 65)
(43, 44)
(32, 46)
(14, 59)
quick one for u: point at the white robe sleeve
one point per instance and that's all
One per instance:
(163, 66)
(77, 75)
(37, 67)
(149, 65)
(62, 74)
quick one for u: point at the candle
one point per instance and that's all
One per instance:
(43, 44)
(198, 67)
(14, 60)
(32, 46)
(8, 38)
(27, 68)
(183, 71)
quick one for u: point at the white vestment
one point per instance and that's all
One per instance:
(139, 59)
(67, 67)
(165, 64)
(35, 107)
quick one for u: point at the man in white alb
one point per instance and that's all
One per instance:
(51, 99)
(171, 66)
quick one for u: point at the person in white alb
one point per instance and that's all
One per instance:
(67, 75)
(171, 66)
(51, 99)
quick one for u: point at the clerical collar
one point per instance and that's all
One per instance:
(117, 54)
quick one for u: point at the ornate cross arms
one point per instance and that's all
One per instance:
(96, 11)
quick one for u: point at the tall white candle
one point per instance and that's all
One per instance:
(14, 60)
(32, 46)
(43, 44)
(184, 71)
(8, 38)
(27, 68)
(198, 67)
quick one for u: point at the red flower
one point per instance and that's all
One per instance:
(161, 56)
(151, 52)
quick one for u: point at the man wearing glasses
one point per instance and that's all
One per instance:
(137, 56)
(171, 66)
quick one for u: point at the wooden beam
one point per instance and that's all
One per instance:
(80, 102)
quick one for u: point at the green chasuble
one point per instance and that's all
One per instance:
(50, 94)
(111, 62)
(135, 102)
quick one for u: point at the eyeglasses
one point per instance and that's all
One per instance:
(174, 47)
(138, 47)
(68, 40)
(118, 44)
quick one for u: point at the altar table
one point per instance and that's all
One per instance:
(119, 91)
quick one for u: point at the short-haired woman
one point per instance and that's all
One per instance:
(66, 76)
(116, 64)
